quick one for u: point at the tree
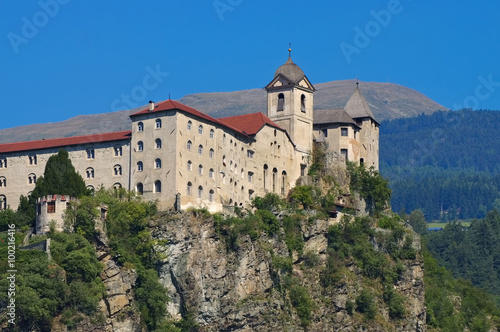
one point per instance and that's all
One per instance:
(60, 178)
(417, 221)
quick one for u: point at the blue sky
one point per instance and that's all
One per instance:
(62, 58)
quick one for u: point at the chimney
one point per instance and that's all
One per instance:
(151, 105)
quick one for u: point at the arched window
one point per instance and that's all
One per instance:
(90, 153)
(224, 138)
(211, 133)
(281, 102)
(200, 129)
(211, 195)
(189, 145)
(117, 169)
(211, 153)
(200, 192)
(303, 103)
(158, 123)
(140, 126)
(139, 188)
(32, 159)
(157, 163)
(3, 181)
(158, 143)
(31, 178)
(90, 173)
(200, 149)
(250, 177)
(91, 189)
(3, 202)
(140, 166)
(189, 188)
(242, 173)
(275, 175)
(157, 186)
(140, 146)
(283, 182)
(266, 169)
(200, 169)
(118, 151)
(190, 165)
(250, 194)
(117, 185)
(190, 125)
(211, 173)
(3, 162)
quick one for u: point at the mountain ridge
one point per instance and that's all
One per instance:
(386, 100)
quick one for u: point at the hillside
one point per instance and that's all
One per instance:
(445, 164)
(387, 100)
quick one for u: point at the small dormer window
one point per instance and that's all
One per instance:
(281, 102)
(303, 103)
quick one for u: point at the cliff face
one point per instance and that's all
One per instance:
(243, 290)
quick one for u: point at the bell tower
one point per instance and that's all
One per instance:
(290, 104)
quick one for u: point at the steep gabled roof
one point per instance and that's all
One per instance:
(251, 123)
(357, 107)
(336, 115)
(65, 141)
(171, 105)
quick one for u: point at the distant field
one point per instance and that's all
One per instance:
(443, 224)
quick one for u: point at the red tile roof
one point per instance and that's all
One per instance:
(249, 123)
(173, 105)
(65, 141)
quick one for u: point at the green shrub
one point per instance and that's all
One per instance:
(302, 302)
(365, 304)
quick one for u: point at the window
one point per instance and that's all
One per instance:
(90, 153)
(31, 179)
(157, 163)
(200, 149)
(51, 207)
(90, 173)
(224, 139)
(3, 162)
(190, 165)
(266, 168)
(140, 146)
(140, 166)
(158, 123)
(32, 159)
(250, 153)
(200, 169)
(139, 188)
(211, 133)
(158, 186)
(211, 195)
(190, 125)
(281, 102)
(3, 202)
(324, 131)
(117, 186)
(117, 169)
(188, 189)
(250, 194)
(344, 153)
(158, 143)
(140, 127)
(242, 173)
(303, 103)
(200, 192)
(211, 173)
(200, 129)
(3, 182)
(343, 131)
(283, 182)
(211, 153)
(189, 145)
(275, 174)
(118, 151)
(250, 176)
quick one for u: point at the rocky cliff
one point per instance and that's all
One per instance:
(244, 290)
